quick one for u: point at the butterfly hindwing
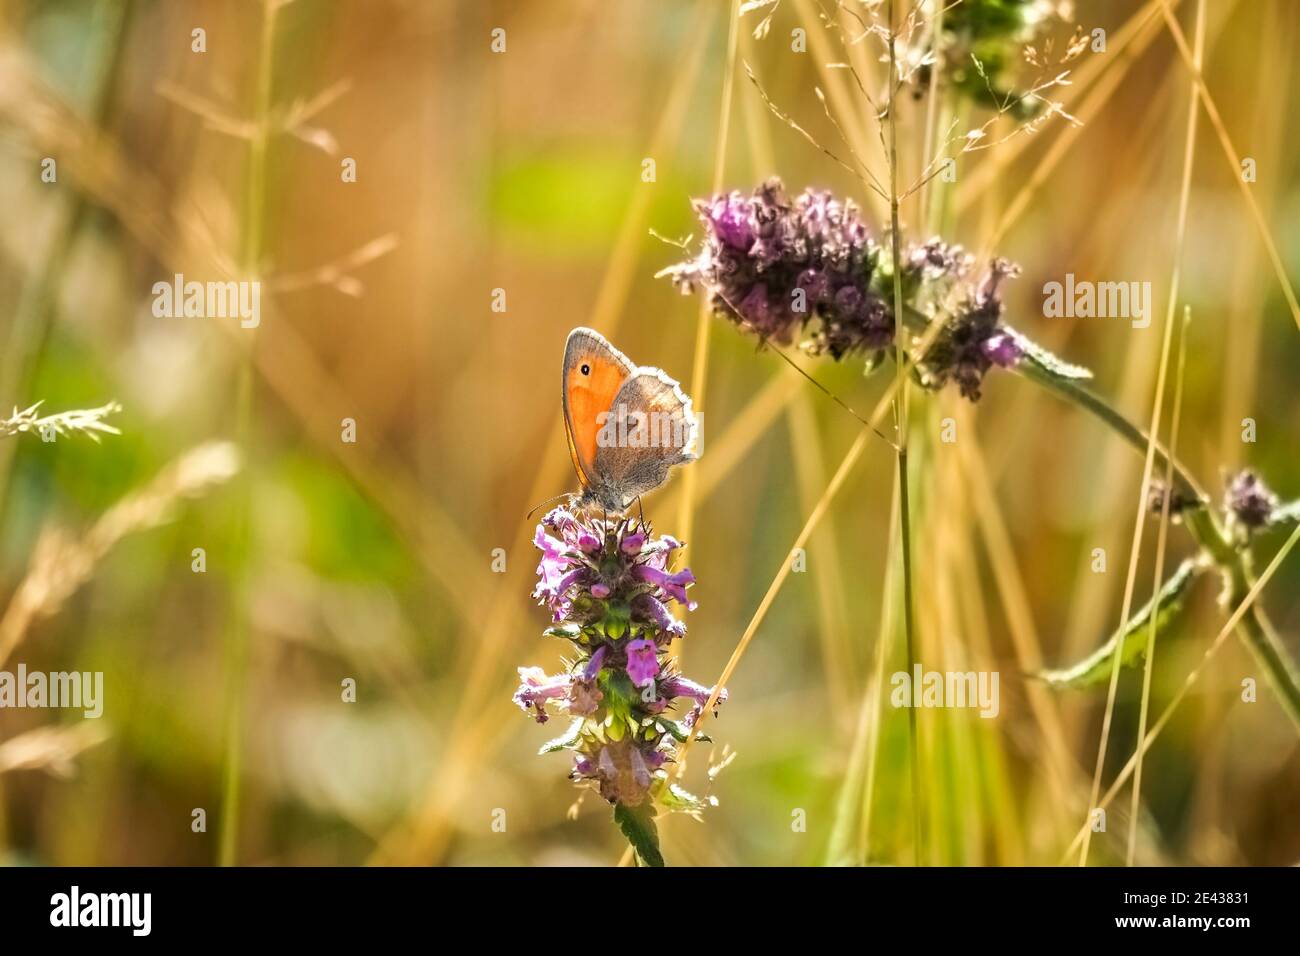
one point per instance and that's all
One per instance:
(651, 427)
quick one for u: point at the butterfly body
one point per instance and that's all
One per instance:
(626, 426)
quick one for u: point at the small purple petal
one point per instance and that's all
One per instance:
(732, 222)
(1001, 349)
(679, 686)
(649, 574)
(651, 610)
(674, 585)
(536, 688)
(642, 662)
(594, 663)
(570, 579)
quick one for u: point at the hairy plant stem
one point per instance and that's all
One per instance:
(1233, 562)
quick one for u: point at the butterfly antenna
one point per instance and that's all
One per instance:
(546, 502)
(763, 341)
(831, 395)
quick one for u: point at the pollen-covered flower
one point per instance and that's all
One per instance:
(811, 268)
(610, 584)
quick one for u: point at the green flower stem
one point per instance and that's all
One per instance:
(1258, 633)
(1233, 562)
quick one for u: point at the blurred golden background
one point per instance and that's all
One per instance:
(371, 559)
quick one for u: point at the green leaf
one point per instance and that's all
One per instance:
(566, 739)
(679, 732)
(1095, 668)
(638, 825)
(568, 631)
(1044, 359)
(678, 800)
(678, 729)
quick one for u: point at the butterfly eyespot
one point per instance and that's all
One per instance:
(586, 369)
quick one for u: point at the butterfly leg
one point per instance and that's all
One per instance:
(640, 512)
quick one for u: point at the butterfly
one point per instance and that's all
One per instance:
(626, 425)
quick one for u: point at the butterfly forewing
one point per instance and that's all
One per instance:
(593, 371)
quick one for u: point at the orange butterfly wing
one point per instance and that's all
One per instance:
(594, 371)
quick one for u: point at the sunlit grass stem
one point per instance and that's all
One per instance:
(252, 242)
(901, 422)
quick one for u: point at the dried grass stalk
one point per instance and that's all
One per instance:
(51, 748)
(86, 421)
(61, 562)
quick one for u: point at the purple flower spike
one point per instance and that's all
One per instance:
(608, 588)
(642, 662)
(773, 265)
(781, 267)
